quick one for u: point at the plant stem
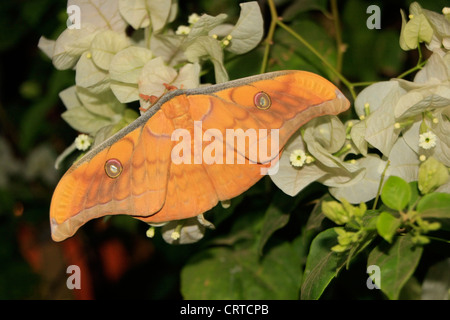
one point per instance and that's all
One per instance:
(269, 39)
(438, 239)
(337, 27)
(417, 67)
(420, 54)
(380, 185)
(363, 83)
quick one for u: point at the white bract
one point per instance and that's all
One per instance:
(403, 120)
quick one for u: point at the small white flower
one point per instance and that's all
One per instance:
(83, 142)
(183, 30)
(298, 158)
(446, 10)
(175, 235)
(427, 140)
(193, 18)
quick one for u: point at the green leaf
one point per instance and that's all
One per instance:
(414, 194)
(298, 6)
(397, 262)
(316, 217)
(432, 174)
(396, 193)
(434, 205)
(387, 226)
(357, 247)
(276, 216)
(289, 53)
(321, 265)
(226, 273)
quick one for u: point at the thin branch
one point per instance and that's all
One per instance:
(269, 39)
(337, 27)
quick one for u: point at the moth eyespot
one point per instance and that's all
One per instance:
(262, 100)
(113, 168)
